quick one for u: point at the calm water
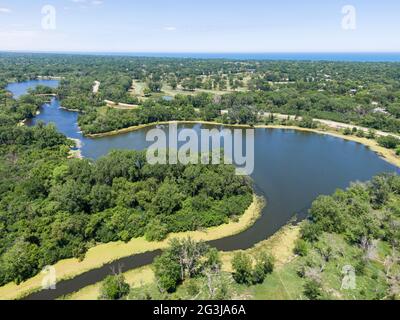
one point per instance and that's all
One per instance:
(291, 169)
(21, 88)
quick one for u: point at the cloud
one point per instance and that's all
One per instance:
(5, 10)
(97, 2)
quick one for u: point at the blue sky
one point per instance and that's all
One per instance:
(200, 26)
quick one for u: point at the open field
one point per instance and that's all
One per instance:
(138, 91)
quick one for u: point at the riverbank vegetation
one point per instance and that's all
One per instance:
(348, 249)
(52, 208)
(75, 204)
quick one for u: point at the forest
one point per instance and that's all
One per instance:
(226, 91)
(52, 207)
(353, 233)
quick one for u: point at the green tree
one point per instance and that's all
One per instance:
(21, 261)
(264, 266)
(114, 288)
(312, 290)
(242, 268)
(156, 231)
(380, 190)
(155, 86)
(301, 248)
(167, 272)
(168, 198)
(389, 142)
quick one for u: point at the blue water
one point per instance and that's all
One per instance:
(291, 168)
(20, 88)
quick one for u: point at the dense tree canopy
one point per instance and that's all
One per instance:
(361, 93)
(58, 208)
(52, 207)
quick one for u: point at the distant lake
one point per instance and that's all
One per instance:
(20, 88)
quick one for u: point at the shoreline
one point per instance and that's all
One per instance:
(280, 246)
(143, 126)
(103, 254)
(70, 268)
(384, 153)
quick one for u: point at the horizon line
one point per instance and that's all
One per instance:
(201, 52)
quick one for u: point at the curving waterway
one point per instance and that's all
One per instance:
(292, 168)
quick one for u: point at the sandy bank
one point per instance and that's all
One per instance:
(280, 246)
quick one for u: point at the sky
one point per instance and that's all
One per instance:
(200, 25)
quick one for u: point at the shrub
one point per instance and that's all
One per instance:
(264, 266)
(192, 288)
(114, 288)
(301, 248)
(389, 142)
(307, 122)
(242, 267)
(156, 231)
(371, 134)
(168, 272)
(267, 262)
(244, 273)
(258, 274)
(360, 134)
(361, 267)
(347, 132)
(312, 290)
(310, 231)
